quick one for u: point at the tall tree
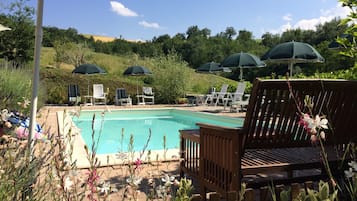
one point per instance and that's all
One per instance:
(270, 40)
(17, 44)
(230, 32)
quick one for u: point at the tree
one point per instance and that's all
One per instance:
(17, 44)
(350, 44)
(70, 53)
(230, 32)
(171, 78)
(270, 40)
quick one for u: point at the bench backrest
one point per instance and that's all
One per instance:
(272, 116)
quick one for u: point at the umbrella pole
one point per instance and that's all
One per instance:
(241, 74)
(88, 87)
(35, 79)
(291, 68)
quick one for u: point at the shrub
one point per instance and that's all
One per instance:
(171, 79)
(15, 86)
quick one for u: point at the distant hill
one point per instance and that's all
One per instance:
(108, 38)
(100, 38)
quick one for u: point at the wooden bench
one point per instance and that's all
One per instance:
(271, 140)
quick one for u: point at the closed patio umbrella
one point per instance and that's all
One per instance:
(292, 53)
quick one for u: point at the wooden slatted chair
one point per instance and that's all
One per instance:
(271, 139)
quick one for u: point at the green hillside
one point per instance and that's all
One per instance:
(56, 79)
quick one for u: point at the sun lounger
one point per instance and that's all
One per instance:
(74, 96)
(121, 98)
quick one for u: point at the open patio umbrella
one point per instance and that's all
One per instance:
(292, 53)
(137, 71)
(210, 67)
(88, 69)
(242, 60)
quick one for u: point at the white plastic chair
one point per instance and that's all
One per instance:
(238, 94)
(236, 99)
(99, 95)
(221, 95)
(209, 97)
(147, 94)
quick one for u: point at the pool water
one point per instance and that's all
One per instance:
(112, 130)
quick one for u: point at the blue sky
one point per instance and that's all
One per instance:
(145, 19)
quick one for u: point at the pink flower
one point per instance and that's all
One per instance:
(21, 132)
(313, 125)
(92, 181)
(38, 135)
(137, 163)
(313, 138)
(306, 122)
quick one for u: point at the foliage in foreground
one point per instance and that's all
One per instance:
(15, 86)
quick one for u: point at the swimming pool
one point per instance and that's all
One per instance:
(112, 130)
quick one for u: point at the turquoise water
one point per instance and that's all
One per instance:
(112, 130)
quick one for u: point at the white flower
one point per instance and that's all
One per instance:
(353, 165)
(321, 123)
(68, 184)
(312, 125)
(105, 187)
(168, 180)
(349, 173)
(134, 180)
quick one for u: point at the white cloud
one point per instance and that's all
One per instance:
(326, 16)
(120, 9)
(149, 25)
(310, 24)
(287, 17)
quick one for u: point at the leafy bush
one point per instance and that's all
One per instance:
(171, 78)
(56, 95)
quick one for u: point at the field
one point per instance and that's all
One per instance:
(101, 38)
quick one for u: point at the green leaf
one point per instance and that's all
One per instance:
(284, 195)
(333, 196)
(323, 190)
(312, 195)
(344, 21)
